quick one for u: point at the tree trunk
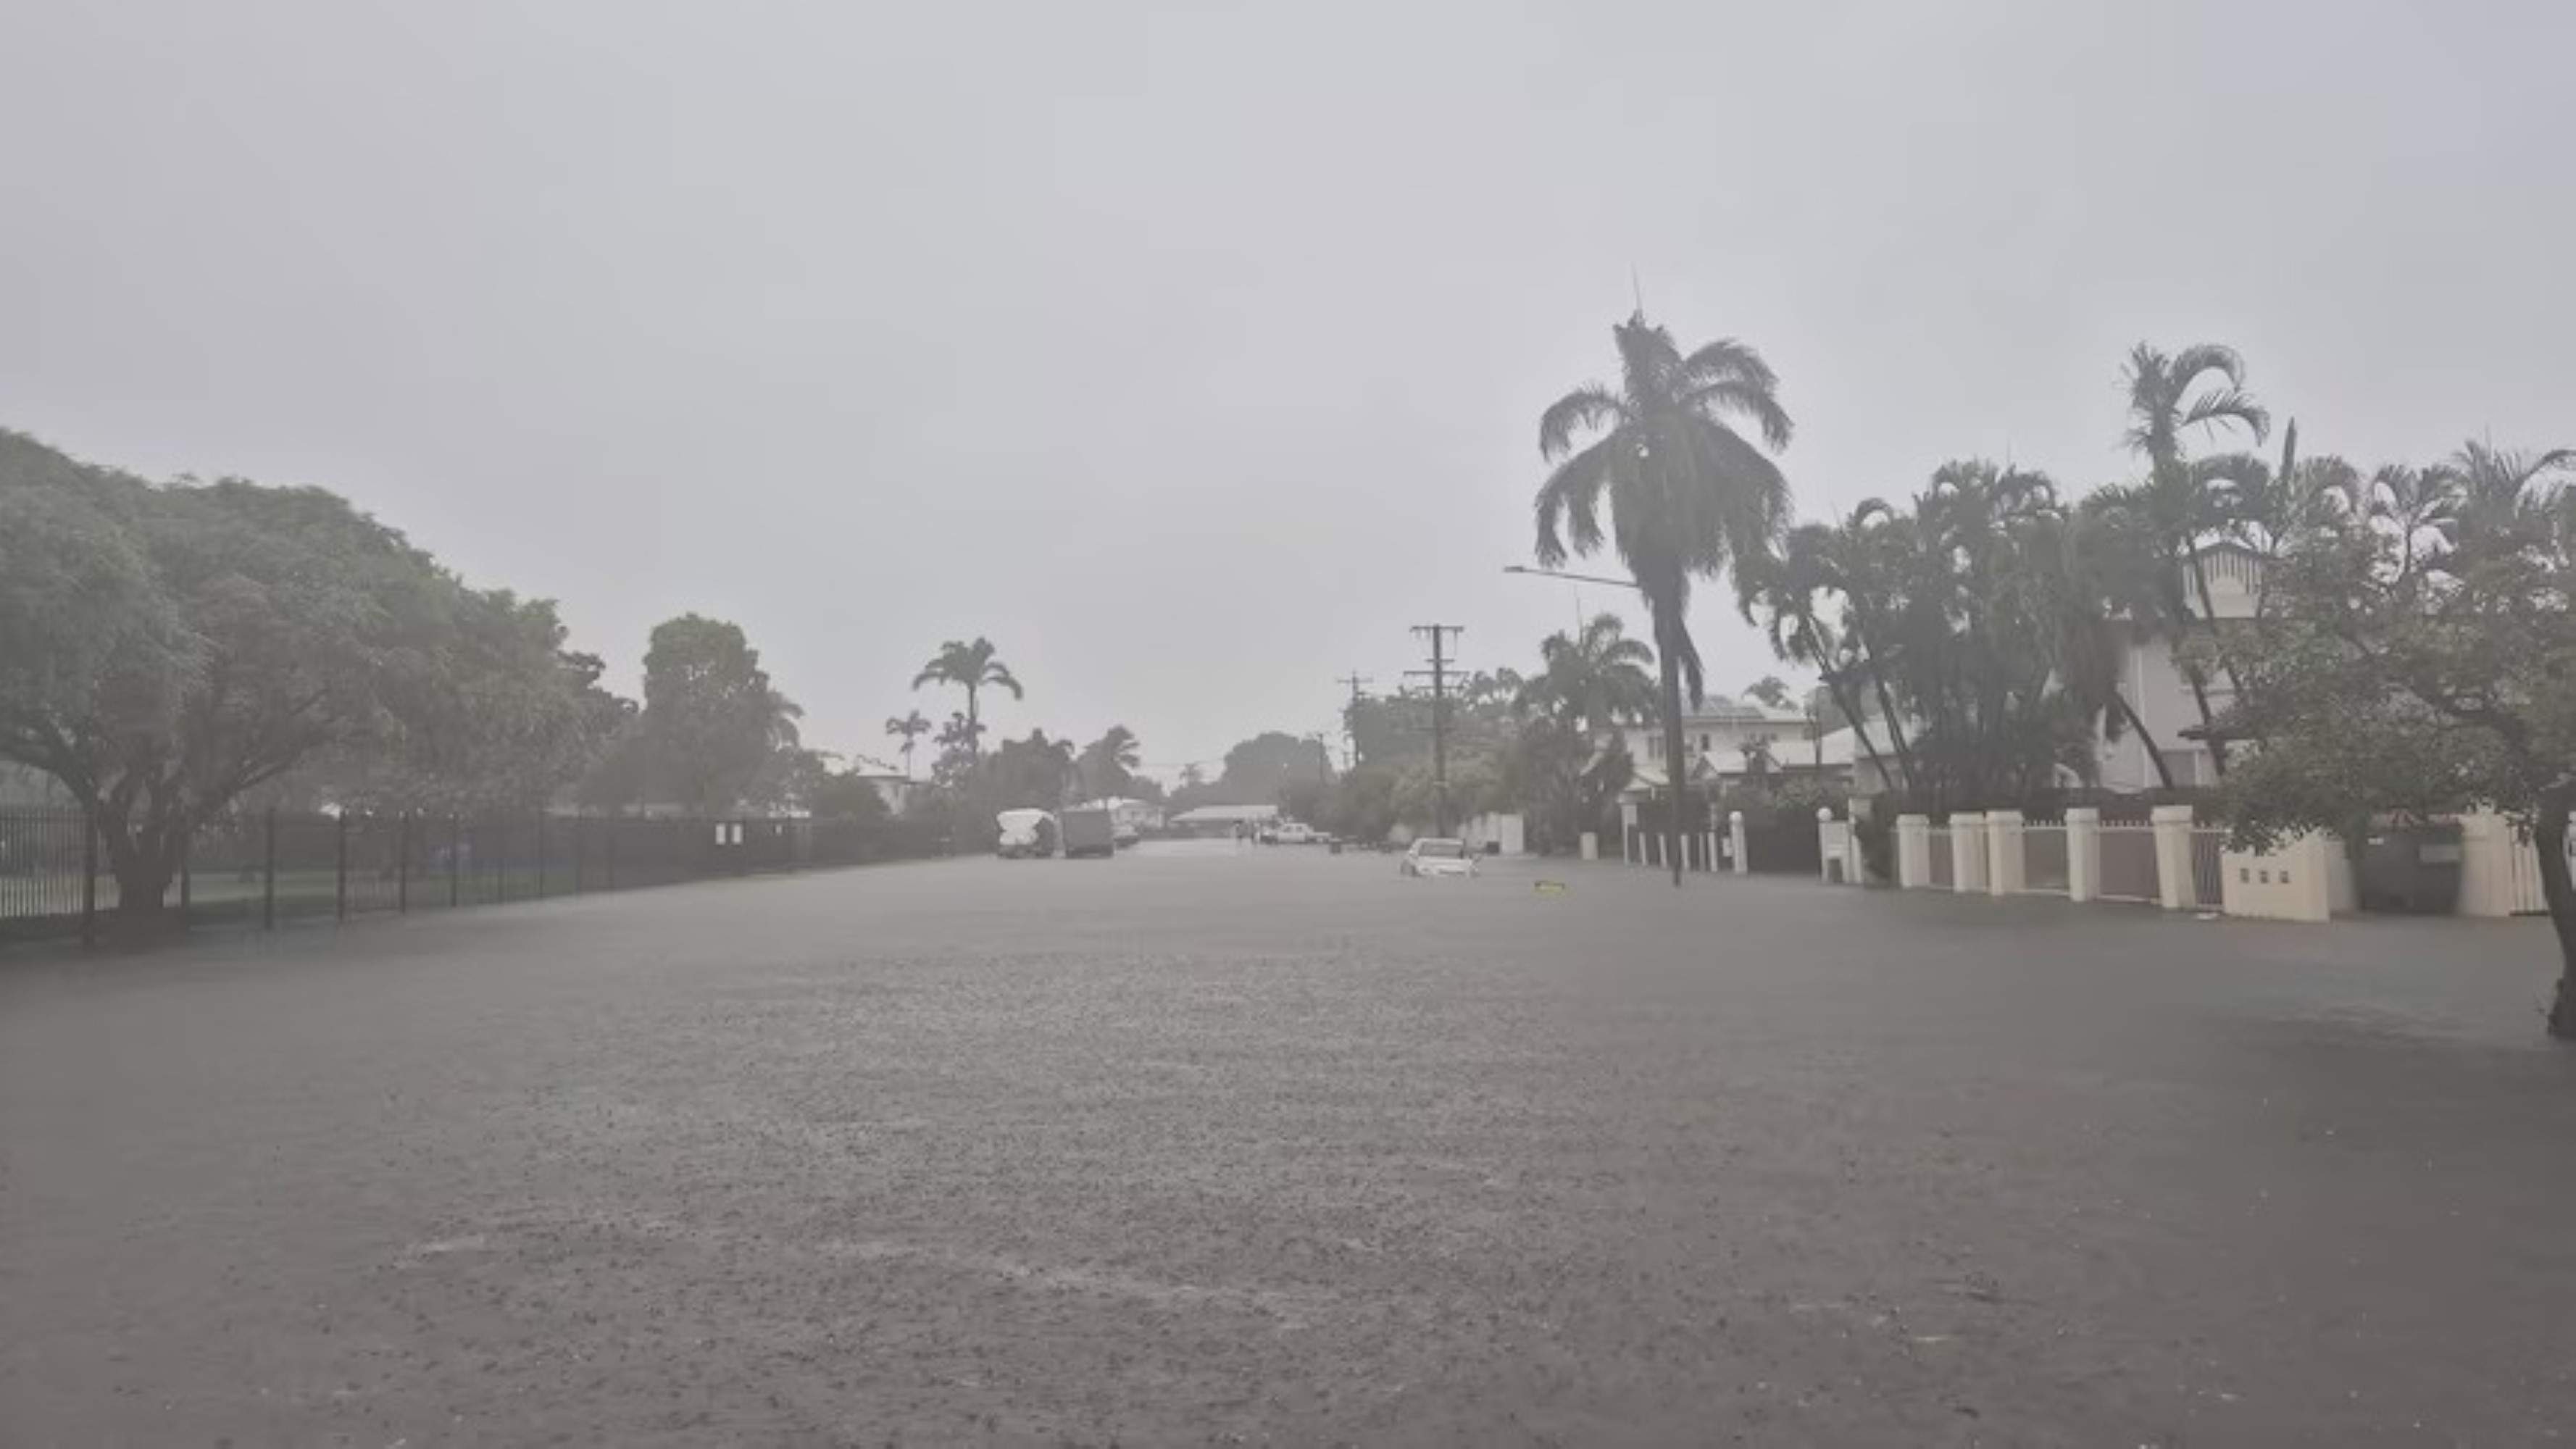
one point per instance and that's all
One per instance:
(1676, 769)
(2198, 679)
(2155, 756)
(144, 861)
(1886, 705)
(2549, 835)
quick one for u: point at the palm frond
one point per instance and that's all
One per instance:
(2222, 406)
(1587, 407)
(1572, 495)
(998, 673)
(1734, 397)
(2202, 357)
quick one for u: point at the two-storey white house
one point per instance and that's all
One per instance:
(1714, 740)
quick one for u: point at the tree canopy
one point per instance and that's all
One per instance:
(166, 648)
(2417, 656)
(711, 718)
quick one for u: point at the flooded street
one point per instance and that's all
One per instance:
(1220, 1144)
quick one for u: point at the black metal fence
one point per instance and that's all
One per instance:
(258, 869)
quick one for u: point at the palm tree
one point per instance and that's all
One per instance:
(910, 728)
(2502, 487)
(1790, 590)
(1689, 495)
(970, 667)
(1108, 761)
(2183, 499)
(2106, 576)
(1594, 679)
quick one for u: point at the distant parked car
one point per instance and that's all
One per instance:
(1294, 833)
(1437, 857)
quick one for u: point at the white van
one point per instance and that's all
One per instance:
(1025, 833)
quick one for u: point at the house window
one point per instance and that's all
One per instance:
(1654, 747)
(1703, 744)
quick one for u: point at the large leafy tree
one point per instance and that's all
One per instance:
(1688, 494)
(711, 718)
(1257, 770)
(2421, 660)
(164, 650)
(973, 668)
(1036, 772)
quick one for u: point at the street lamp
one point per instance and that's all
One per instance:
(1578, 578)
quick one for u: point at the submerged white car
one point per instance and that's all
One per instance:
(1438, 857)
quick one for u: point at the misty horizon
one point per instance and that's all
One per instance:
(1191, 359)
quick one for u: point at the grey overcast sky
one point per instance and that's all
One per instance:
(1192, 351)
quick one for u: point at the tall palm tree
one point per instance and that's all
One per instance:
(970, 667)
(2203, 387)
(1689, 495)
(909, 728)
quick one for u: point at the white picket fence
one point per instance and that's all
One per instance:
(2175, 862)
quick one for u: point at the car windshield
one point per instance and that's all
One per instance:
(1448, 849)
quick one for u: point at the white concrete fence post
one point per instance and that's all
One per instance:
(2004, 873)
(1855, 863)
(1591, 845)
(1735, 841)
(2083, 853)
(1913, 852)
(1967, 852)
(2173, 855)
(1629, 849)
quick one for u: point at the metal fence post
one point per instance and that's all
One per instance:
(541, 855)
(577, 833)
(340, 866)
(268, 871)
(187, 878)
(89, 877)
(608, 849)
(455, 854)
(402, 863)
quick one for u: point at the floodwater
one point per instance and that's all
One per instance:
(1220, 1144)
